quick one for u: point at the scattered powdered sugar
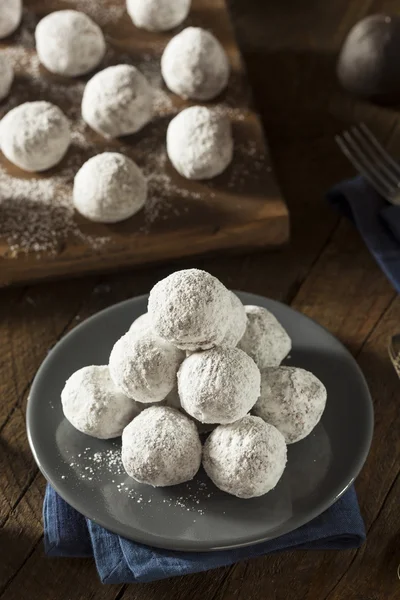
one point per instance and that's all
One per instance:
(94, 465)
(112, 13)
(150, 67)
(98, 466)
(194, 499)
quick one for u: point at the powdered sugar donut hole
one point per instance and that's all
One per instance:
(194, 65)
(117, 101)
(199, 142)
(10, 16)
(265, 340)
(174, 401)
(142, 323)
(161, 447)
(245, 459)
(69, 43)
(158, 15)
(93, 405)
(292, 400)
(35, 135)
(190, 309)
(6, 76)
(109, 187)
(219, 385)
(237, 322)
(144, 366)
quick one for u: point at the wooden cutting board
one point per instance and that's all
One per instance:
(40, 235)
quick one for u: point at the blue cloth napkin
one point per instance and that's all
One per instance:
(377, 221)
(68, 533)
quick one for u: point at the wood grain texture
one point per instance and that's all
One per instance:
(326, 272)
(240, 209)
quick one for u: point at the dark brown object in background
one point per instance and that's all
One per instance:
(231, 212)
(290, 50)
(368, 64)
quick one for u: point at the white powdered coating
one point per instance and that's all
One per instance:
(237, 322)
(245, 459)
(144, 366)
(292, 400)
(10, 16)
(194, 65)
(117, 101)
(158, 15)
(93, 405)
(161, 447)
(219, 385)
(109, 187)
(35, 135)
(174, 401)
(142, 323)
(190, 309)
(6, 76)
(265, 340)
(199, 142)
(69, 43)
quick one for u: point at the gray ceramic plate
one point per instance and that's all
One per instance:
(87, 472)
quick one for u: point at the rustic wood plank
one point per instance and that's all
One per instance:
(346, 292)
(379, 560)
(29, 325)
(41, 577)
(22, 532)
(16, 464)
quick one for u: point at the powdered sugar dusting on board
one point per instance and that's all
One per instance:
(95, 9)
(36, 212)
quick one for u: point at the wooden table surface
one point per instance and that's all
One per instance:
(326, 272)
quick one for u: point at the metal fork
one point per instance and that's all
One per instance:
(371, 160)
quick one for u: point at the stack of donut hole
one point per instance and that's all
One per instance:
(199, 362)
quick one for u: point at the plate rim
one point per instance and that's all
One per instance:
(204, 546)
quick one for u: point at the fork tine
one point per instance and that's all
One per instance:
(381, 149)
(370, 165)
(378, 155)
(351, 150)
